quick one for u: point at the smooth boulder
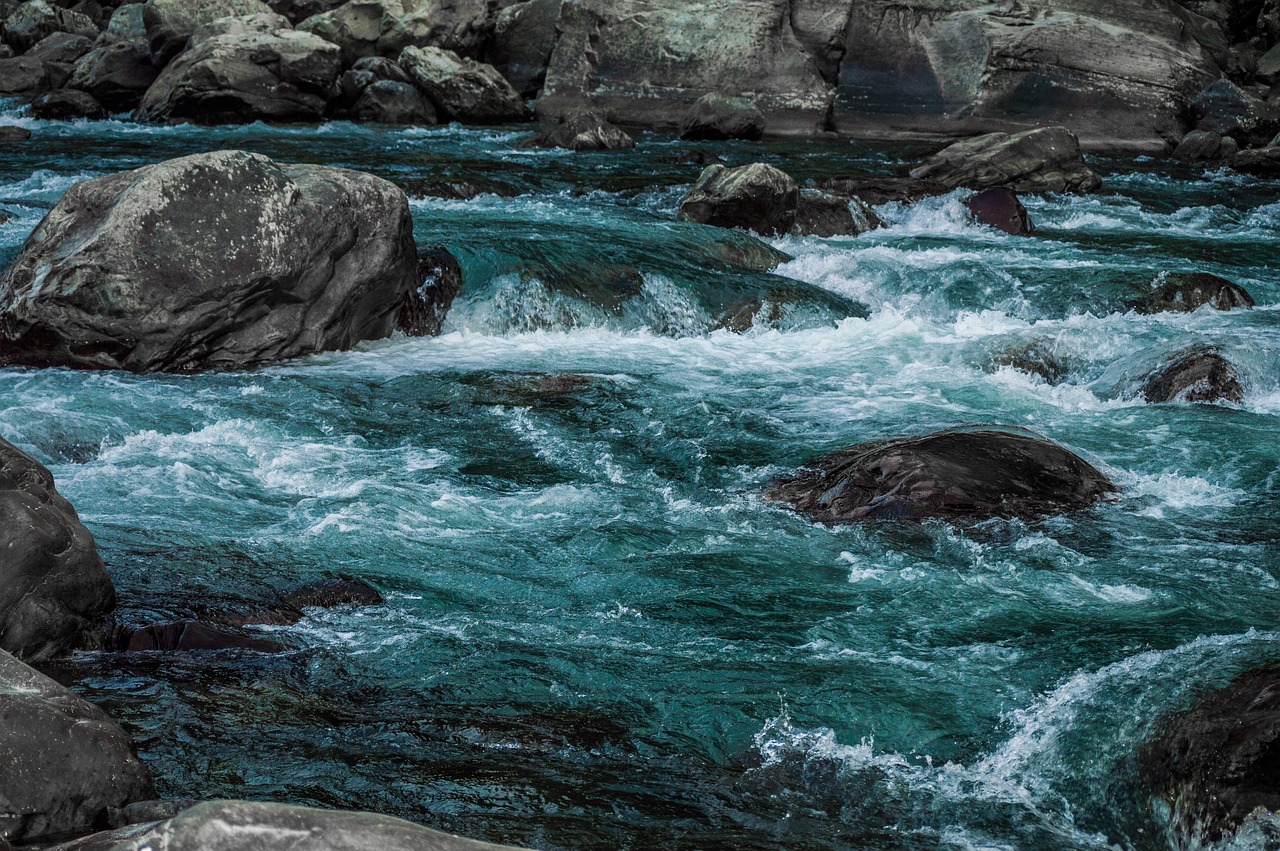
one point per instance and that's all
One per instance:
(1200, 145)
(1191, 291)
(55, 594)
(65, 763)
(717, 117)
(463, 89)
(1045, 160)
(756, 197)
(952, 475)
(1001, 209)
(212, 261)
(1201, 375)
(583, 130)
(171, 23)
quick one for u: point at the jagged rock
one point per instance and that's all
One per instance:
(55, 594)
(949, 474)
(583, 130)
(274, 76)
(65, 762)
(26, 76)
(523, 37)
(1260, 162)
(390, 102)
(1214, 763)
(170, 23)
(1202, 375)
(1000, 208)
(367, 71)
(243, 826)
(211, 261)
(34, 21)
(117, 75)
(439, 283)
(642, 63)
(1186, 292)
(463, 89)
(127, 23)
(66, 105)
(263, 23)
(755, 197)
(1205, 145)
(13, 133)
(716, 116)
(1045, 160)
(821, 214)
(1226, 109)
(64, 48)
(386, 27)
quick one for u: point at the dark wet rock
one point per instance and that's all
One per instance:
(117, 75)
(755, 197)
(61, 47)
(14, 133)
(461, 190)
(364, 73)
(821, 214)
(1228, 110)
(149, 812)
(583, 130)
(188, 636)
(718, 117)
(1205, 145)
(1186, 292)
(242, 826)
(24, 76)
(272, 76)
(697, 156)
(55, 594)
(391, 102)
(127, 22)
(1202, 375)
(333, 592)
(298, 11)
(212, 261)
(1216, 762)
(65, 762)
(1001, 209)
(6, 52)
(1037, 358)
(643, 63)
(1259, 162)
(36, 20)
(463, 89)
(885, 190)
(386, 27)
(948, 474)
(1045, 160)
(523, 38)
(170, 23)
(66, 105)
(439, 283)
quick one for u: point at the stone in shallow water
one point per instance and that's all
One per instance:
(1198, 376)
(1001, 209)
(1043, 160)
(1186, 292)
(756, 197)
(948, 474)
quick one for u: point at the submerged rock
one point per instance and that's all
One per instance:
(583, 130)
(322, 593)
(212, 261)
(439, 283)
(55, 594)
(821, 214)
(65, 762)
(1216, 762)
(14, 133)
(243, 826)
(756, 197)
(948, 474)
(718, 117)
(1001, 209)
(1044, 160)
(1202, 375)
(463, 89)
(190, 636)
(1190, 291)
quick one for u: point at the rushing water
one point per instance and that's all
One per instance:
(598, 635)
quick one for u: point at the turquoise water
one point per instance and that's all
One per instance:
(598, 635)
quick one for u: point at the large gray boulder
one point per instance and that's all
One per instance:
(28, 76)
(253, 826)
(34, 21)
(126, 22)
(277, 75)
(117, 74)
(1200, 375)
(66, 764)
(756, 197)
(1045, 160)
(715, 117)
(386, 27)
(463, 89)
(645, 62)
(582, 130)
(55, 594)
(524, 36)
(170, 23)
(212, 261)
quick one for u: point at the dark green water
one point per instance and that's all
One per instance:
(597, 633)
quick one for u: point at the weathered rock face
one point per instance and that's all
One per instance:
(463, 89)
(1000, 208)
(117, 75)
(439, 283)
(61, 47)
(821, 214)
(386, 27)
(1226, 109)
(212, 261)
(583, 130)
(644, 62)
(1046, 160)
(67, 104)
(524, 36)
(1260, 162)
(170, 23)
(280, 75)
(127, 23)
(949, 474)
(1116, 73)
(393, 102)
(1202, 375)
(1186, 292)
(36, 20)
(716, 116)
(27, 76)
(755, 197)
(242, 826)
(65, 762)
(1216, 762)
(54, 590)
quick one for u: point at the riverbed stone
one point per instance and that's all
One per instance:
(1201, 375)
(212, 261)
(170, 23)
(1001, 209)
(965, 474)
(13, 133)
(116, 74)
(822, 214)
(27, 76)
(756, 197)
(1192, 290)
(67, 105)
(393, 102)
(463, 89)
(583, 130)
(1043, 160)
(718, 117)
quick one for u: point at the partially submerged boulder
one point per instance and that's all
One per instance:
(949, 474)
(212, 261)
(13, 133)
(66, 105)
(66, 764)
(1259, 162)
(718, 117)
(583, 130)
(1190, 291)
(1045, 160)
(463, 89)
(1201, 145)
(439, 283)
(1202, 375)
(393, 102)
(55, 594)
(822, 214)
(756, 197)
(1000, 208)
(190, 636)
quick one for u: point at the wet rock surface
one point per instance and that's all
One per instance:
(754, 197)
(583, 130)
(1189, 291)
(1202, 375)
(1044, 160)
(1001, 209)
